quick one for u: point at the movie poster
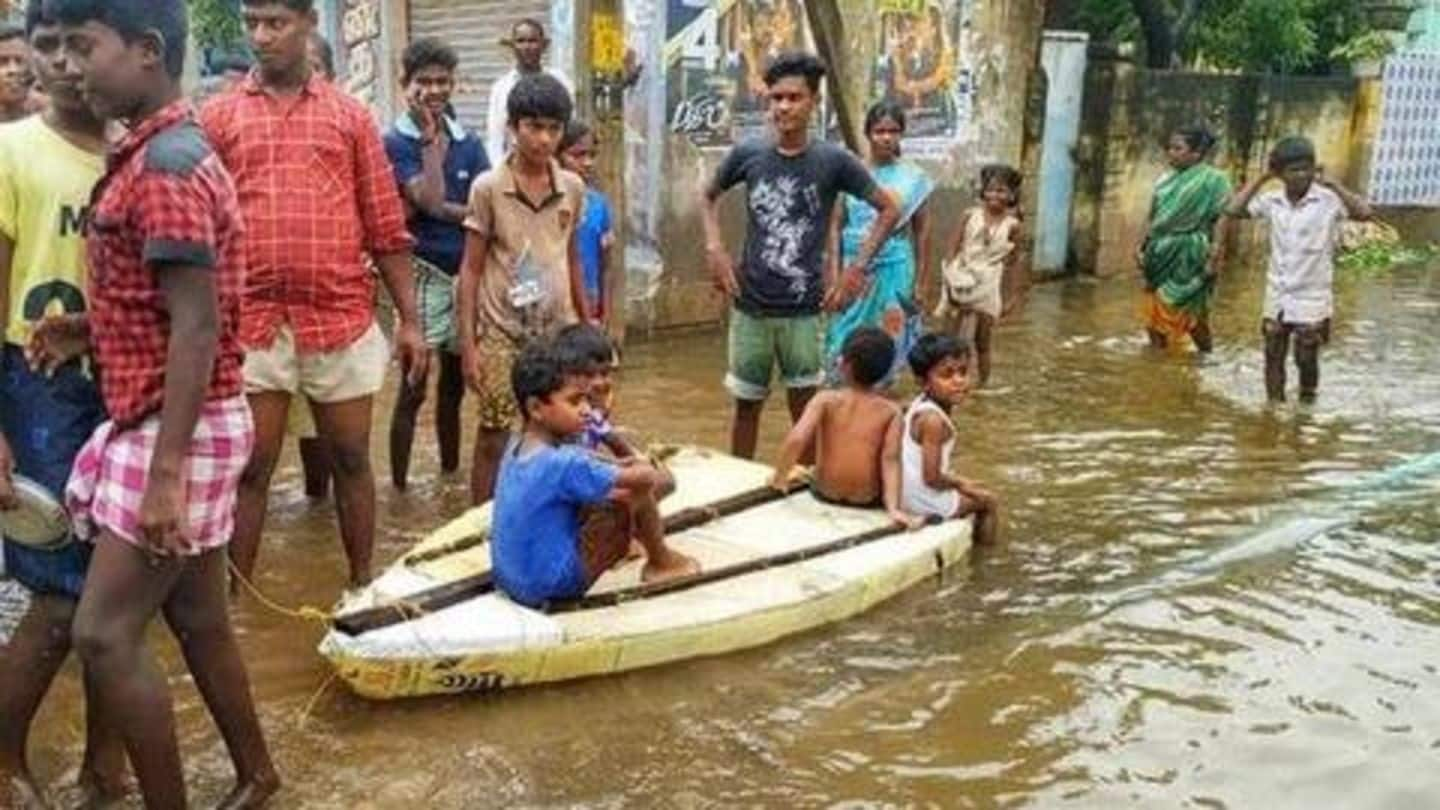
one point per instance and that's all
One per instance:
(715, 56)
(921, 65)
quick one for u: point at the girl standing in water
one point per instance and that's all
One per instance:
(986, 245)
(1183, 247)
(888, 300)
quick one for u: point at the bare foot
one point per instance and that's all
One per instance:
(636, 551)
(253, 794)
(18, 790)
(668, 566)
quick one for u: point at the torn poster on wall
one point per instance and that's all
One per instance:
(923, 66)
(715, 57)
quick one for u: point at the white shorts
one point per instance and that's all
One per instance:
(356, 371)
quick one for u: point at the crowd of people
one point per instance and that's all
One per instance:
(179, 282)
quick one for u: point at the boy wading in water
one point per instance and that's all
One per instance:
(156, 486)
(791, 184)
(855, 431)
(48, 165)
(564, 516)
(520, 277)
(1304, 219)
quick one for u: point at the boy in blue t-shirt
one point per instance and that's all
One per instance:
(595, 235)
(544, 545)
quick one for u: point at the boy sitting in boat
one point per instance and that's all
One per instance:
(941, 364)
(541, 549)
(856, 433)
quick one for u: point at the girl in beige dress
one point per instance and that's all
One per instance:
(987, 243)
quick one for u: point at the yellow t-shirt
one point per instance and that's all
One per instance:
(45, 184)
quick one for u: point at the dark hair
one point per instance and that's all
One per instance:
(1295, 149)
(36, 15)
(538, 372)
(870, 353)
(327, 53)
(133, 19)
(297, 6)
(238, 62)
(1001, 173)
(427, 52)
(539, 95)
(881, 110)
(528, 22)
(796, 63)
(1196, 136)
(932, 349)
(9, 31)
(575, 131)
(582, 347)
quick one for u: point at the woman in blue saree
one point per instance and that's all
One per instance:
(902, 264)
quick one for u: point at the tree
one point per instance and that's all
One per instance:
(216, 23)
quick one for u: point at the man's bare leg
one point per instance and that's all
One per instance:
(485, 468)
(408, 401)
(745, 429)
(315, 466)
(449, 394)
(661, 561)
(103, 767)
(345, 427)
(198, 616)
(268, 409)
(984, 333)
(984, 505)
(1307, 361)
(32, 659)
(124, 590)
(1277, 346)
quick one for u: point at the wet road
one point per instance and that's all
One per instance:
(1162, 628)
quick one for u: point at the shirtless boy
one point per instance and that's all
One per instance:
(857, 430)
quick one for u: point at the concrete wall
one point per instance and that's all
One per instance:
(1129, 112)
(997, 51)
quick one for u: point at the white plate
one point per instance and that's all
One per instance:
(39, 521)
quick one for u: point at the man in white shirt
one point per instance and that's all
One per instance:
(1304, 220)
(528, 41)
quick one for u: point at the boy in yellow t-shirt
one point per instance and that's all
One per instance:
(48, 166)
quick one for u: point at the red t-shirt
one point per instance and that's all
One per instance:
(165, 200)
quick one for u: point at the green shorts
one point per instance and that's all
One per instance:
(435, 303)
(758, 344)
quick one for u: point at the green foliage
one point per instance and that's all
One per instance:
(216, 23)
(1376, 257)
(1369, 46)
(1258, 36)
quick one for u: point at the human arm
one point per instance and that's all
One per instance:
(617, 444)
(577, 279)
(426, 191)
(1220, 238)
(467, 291)
(833, 257)
(800, 438)
(1239, 205)
(495, 120)
(890, 475)
(934, 431)
(1356, 207)
(957, 243)
(607, 267)
(399, 280)
(857, 275)
(717, 257)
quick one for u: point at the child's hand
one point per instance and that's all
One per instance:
(910, 522)
(56, 341)
(7, 484)
(470, 367)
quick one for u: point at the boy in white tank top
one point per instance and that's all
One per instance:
(941, 364)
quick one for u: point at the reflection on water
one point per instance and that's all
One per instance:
(1169, 624)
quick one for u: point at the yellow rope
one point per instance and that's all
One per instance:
(314, 699)
(304, 612)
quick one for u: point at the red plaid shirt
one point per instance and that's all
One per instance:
(165, 200)
(317, 193)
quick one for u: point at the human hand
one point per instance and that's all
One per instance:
(56, 341)
(425, 120)
(722, 268)
(908, 521)
(411, 353)
(470, 367)
(161, 509)
(8, 500)
(851, 284)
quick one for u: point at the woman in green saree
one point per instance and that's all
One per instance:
(888, 300)
(1183, 247)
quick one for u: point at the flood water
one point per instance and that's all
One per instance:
(1130, 644)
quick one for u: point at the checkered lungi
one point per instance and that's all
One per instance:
(111, 471)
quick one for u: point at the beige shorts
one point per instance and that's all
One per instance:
(356, 371)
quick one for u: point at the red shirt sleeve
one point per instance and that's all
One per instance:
(175, 217)
(381, 212)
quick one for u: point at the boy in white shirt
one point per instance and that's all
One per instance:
(1304, 218)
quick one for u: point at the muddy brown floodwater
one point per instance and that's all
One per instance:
(1160, 628)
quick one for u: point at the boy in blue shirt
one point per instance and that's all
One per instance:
(545, 547)
(595, 234)
(435, 161)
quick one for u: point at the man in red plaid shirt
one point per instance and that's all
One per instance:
(155, 487)
(318, 195)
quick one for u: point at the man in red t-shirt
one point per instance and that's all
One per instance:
(155, 487)
(318, 195)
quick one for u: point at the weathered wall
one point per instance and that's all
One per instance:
(1129, 113)
(996, 52)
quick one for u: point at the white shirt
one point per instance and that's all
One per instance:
(497, 132)
(1300, 285)
(916, 496)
